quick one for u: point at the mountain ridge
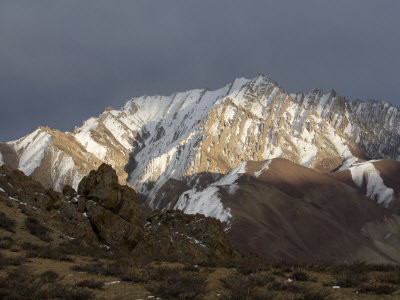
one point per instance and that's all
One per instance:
(155, 138)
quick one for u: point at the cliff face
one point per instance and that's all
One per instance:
(153, 139)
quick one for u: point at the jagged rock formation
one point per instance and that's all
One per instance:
(106, 214)
(112, 209)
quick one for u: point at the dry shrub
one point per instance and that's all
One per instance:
(93, 268)
(348, 278)
(378, 289)
(49, 276)
(91, 284)
(6, 223)
(251, 264)
(286, 286)
(300, 276)
(238, 286)
(6, 242)
(191, 268)
(11, 261)
(178, 285)
(45, 252)
(262, 279)
(315, 295)
(123, 269)
(390, 277)
(22, 284)
(37, 229)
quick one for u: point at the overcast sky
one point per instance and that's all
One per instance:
(62, 62)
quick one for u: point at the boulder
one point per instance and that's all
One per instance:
(112, 209)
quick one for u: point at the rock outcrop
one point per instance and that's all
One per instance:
(113, 209)
(59, 212)
(187, 237)
(105, 213)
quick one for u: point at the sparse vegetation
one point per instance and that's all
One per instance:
(6, 242)
(21, 283)
(315, 295)
(251, 278)
(349, 278)
(287, 286)
(179, 286)
(46, 252)
(11, 261)
(300, 276)
(238, 286)
(91, 284)
(378, 289)
(37, 229)
(49, 276)
(392, 277)
(6, 223)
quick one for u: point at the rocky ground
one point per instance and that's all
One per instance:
(95, 244)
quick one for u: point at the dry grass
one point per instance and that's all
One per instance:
(22, 283)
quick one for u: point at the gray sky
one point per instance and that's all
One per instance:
(62, 62)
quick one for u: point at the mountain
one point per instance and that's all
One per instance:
(283, 210)
(155, 138)
(196, 150)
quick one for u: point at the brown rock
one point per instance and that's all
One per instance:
(173, 234)
(113, 209)
(68, 191)
(112, 229)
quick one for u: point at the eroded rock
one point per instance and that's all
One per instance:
(112, 209)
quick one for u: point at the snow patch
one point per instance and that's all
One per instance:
(265, 167)
(376, 189)
(1, 159)
(232, 176)
(208, 201)
(33, 148)
(84, 137)
(118, 130)
(341, 147)
(205, 202)
(112, 282)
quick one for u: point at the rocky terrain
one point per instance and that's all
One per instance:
(94, 244)
(105, 214)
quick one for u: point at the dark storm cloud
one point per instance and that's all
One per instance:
(64, 61)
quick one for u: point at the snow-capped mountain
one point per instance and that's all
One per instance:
(155, 139)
